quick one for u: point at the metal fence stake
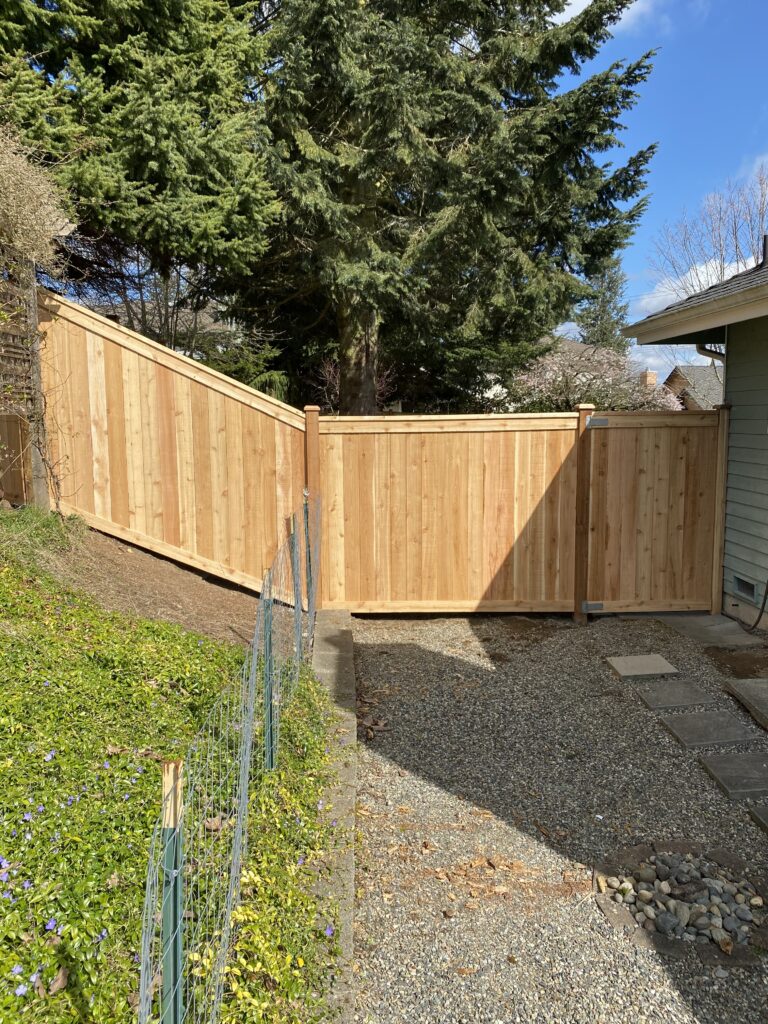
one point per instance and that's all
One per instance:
(269, 676)
(296, 573)
(173, 881)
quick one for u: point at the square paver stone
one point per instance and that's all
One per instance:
(673, 693)
(637, 666)
(707, 728)
(753, 694)
(739, 775)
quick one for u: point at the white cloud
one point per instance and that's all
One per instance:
(644, 11)
(640, 11)
(667, 291)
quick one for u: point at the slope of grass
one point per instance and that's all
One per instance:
(89, 701)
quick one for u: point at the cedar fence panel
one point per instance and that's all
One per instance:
(655, 506)
(446, 513)
(419, 513)
(156, 449)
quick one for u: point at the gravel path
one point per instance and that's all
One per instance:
(511, 760)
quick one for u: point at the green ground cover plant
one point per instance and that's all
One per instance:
(90, 702)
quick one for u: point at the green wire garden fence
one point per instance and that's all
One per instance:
(198, 845)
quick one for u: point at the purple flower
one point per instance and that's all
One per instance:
(40, 808)
(47, 682)
(329, 930)
(14, 833)
(21, 990)
(3, 876)
(50, 925)
(102, 935)
(70, 801)
(27, 816)
(18, 969)
(126, 796)
(50, 755)
(333, 823)
(107, 764)
(300, 860)
(26, 884)
(6, 895)
(33, 977)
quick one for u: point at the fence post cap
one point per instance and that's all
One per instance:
(584, 405)
(312, 408)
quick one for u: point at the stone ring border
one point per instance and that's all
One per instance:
(628, 859)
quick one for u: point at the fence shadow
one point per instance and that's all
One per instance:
(529, 724)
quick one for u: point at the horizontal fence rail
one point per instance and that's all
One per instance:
(559, 512)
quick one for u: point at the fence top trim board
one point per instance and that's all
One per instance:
(482, 423)
(60, 308)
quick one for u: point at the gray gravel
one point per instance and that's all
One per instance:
(511, 760)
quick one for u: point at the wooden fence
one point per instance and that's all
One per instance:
(156, 449)
(559, 512)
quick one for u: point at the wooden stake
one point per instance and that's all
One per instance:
(172, 793)
(581, 538)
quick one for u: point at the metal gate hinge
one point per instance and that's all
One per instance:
(591, 606)
(597, 421)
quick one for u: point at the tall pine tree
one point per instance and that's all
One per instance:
(603, 314)
(148, 110)
(443, 195)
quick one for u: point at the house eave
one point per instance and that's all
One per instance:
(697, 320)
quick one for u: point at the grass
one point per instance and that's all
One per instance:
(88, 699)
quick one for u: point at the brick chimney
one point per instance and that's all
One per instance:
(648, 379)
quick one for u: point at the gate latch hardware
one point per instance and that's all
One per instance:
(597, 421)
(591, 606)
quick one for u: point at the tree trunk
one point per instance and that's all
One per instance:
(358, 350)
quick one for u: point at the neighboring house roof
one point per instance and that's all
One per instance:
(699, 387)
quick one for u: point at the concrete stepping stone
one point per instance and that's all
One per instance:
(739, 775)
(710, 630)
(707, 729)
(753, 694)
(673, 693)
(759, 815)
(638, 666)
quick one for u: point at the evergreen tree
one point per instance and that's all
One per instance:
(603, 315)
(148, 111)
(443, 196)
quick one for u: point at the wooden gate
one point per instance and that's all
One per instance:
(656, 492)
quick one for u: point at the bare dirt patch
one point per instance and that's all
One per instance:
(125, 578)
(748, 663)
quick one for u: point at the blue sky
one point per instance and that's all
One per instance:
(705, 105)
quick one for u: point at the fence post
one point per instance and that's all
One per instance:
(172, 1010)
(581, 538)
(312, 477)
(269, 676)
(723, 420)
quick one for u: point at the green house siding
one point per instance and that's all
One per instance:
(746, 510)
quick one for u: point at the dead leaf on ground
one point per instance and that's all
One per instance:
(59, 982)
(213, 824)
(466, 971)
